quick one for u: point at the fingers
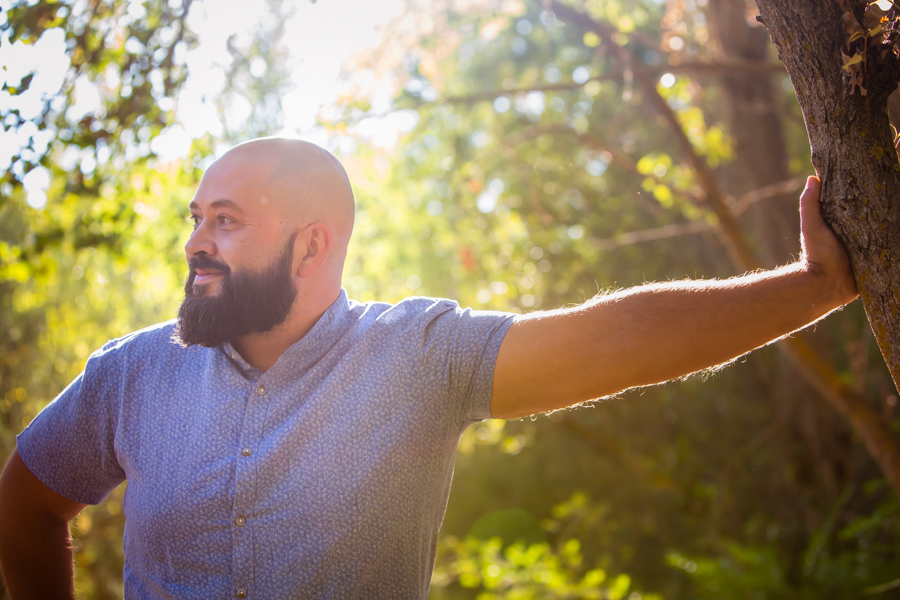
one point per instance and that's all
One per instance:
(810, 211)
(822, 251)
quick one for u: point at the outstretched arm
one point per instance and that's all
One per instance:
(35, 548)
(657, 332)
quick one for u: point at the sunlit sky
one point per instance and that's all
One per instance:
(321, 37)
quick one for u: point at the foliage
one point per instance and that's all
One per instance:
(497, 565)
(836, 562)
(524, 572)
(866, 23)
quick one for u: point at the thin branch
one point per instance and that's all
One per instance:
(768, 191)
(490, 95)
(692, 227)
(721, 66)
(718, 67)
(650, 235)
(884, 587)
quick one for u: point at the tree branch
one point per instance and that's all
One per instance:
(650, 235)
(713, 68)
(679, 229)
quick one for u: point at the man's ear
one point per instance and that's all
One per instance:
(312, 247)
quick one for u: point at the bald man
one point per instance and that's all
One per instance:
(282, 441)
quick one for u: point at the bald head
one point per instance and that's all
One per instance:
(303, 182)
(272, 220)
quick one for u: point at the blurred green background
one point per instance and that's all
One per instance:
(546, 156)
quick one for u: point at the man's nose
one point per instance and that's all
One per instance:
(201, 240)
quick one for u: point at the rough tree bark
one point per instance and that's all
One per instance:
(853, 152)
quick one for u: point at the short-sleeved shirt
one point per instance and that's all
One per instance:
(326, 476)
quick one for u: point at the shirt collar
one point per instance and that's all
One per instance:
(309, 349)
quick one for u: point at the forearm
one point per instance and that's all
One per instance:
(659, 332)
(36, 557)
(651, 334)
(35, 547)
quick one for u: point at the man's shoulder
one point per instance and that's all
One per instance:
(157, 337)
(435, 318)
(407, 310)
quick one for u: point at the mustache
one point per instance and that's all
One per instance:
(205, 262)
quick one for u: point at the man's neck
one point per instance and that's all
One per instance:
(262, 350)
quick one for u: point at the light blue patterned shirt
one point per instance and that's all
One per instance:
(325, 477)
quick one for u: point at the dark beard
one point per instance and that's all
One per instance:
(249, 302)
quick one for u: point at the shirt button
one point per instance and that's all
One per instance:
(240, 521)
(240, 593)
(261, 390)
(247, 451)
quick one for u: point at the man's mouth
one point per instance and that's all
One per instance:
(204, 276)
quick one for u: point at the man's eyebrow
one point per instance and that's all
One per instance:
(223, 203)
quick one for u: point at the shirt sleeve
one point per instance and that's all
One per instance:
(70, 445)
(462, 345)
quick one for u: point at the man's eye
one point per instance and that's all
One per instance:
(223, 220)
(194, 220)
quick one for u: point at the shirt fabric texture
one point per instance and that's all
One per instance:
(325, 477)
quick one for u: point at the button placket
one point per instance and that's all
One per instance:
(245, 477)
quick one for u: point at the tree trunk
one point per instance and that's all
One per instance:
(853, 152)
(755, 126)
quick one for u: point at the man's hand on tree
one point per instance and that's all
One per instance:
(657, 332)
(823, 252)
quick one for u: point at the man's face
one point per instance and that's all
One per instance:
(240, 279)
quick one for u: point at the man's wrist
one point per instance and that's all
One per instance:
(829, 291)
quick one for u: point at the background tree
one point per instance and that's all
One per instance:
(843, 58)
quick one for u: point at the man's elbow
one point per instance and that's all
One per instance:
(23, 497)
